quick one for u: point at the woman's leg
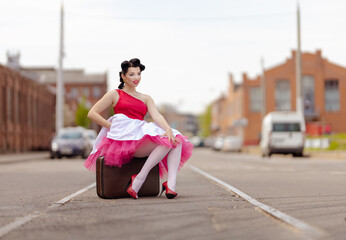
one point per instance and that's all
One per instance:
(145, 149)
(173, 162)
(156, 155)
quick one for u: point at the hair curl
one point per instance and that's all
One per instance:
(125, 65)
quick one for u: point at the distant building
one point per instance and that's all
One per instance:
(78, 85)
(187, 124)
(217, 112)
(323, 83)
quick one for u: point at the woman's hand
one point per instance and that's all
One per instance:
(161, 121)
(169, 134)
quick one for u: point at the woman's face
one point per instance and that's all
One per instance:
(133, 76)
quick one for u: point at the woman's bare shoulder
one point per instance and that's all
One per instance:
(146, 97)
(112, 96)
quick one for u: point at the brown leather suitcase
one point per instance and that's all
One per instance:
(110, 181)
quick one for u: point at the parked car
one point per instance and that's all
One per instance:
(232, 143)
(218, 143)
(283, 132)
(71, 141)
(196, 141)
(208, 142)
(91, 135)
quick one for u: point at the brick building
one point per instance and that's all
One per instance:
(78, 85)
(27, 112)
(323, 83)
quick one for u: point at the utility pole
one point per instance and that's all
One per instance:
(263, 90)
(59, 118)
(299, 103)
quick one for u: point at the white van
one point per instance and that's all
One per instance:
(283, 132)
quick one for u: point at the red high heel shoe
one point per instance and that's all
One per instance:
(130, 189)
(169, 193)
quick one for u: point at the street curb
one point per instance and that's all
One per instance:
(23, 157)
(340, 155)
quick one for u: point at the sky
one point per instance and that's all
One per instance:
(189, 47)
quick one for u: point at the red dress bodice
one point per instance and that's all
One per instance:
(130, 106)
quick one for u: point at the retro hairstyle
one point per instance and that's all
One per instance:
(125, 65)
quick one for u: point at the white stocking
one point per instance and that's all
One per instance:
(173, 162)
(154, 158)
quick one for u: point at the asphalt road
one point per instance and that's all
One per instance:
(309, 190)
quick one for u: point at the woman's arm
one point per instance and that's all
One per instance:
(160, 120)
(110, 98)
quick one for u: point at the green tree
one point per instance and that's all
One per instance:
(205, 122)
(81, 118)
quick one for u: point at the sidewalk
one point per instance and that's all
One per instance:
(23, 157)
(336, 154)
(323, 154)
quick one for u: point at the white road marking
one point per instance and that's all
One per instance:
(68, 198)
(22, 220)
(306, 229)
(17, 223)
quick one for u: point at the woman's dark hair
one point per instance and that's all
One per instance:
(125, 65)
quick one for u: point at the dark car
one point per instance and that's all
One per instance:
(69, 142)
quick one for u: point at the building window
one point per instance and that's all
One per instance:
(86, 91)
(88, 104)
(308, 94)
(16, 106)
(331, 95)
(34, 112)
(255, 99)
(2, 105)
(10, 104)
(282, 95)
(29, 109)
(96, 92)
(74, 92)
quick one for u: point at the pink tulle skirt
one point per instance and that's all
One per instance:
(119, 143)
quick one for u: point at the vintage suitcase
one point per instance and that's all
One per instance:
(110, 181)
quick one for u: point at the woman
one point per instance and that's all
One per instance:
(126, 135)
